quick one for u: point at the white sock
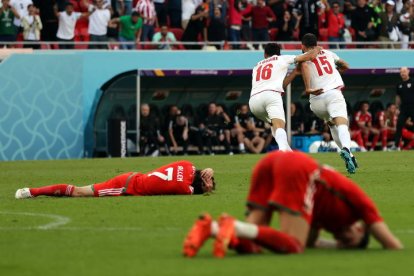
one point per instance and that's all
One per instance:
(344, 136)
(335, 136)
(246, 230)
(241, 147)
(214, 228)
(281, 139)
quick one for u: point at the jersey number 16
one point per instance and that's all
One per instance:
(264, 72)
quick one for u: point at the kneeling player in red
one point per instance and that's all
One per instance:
(178, 178)
(308, 197)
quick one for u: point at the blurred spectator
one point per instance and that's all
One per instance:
(313, 124)
(48, 18)
(363, 120)
(260, 15)
(335, 23)
(31, 25)
(399, 5)
(67, 22)
(404, 99)
(130, 30)
(21, 6)
(161, 11)
(305, 12)
(188, 8)
(387, 124)
(246, 27)
(150, 133)
(147, 10)
(216, 28)
(214, 129)
(124, 7)
(362, 21)
(165, 38)
(278, 7)
(7, 28)
(297, 123)
(196, 28)
(286, 27)
(174, 13)
(98, 22)
(234, 22)
(178, 133)
(406, 23)
(388, 30)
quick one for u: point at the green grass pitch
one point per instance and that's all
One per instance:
(144, 235)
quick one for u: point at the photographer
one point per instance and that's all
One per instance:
(336, 24)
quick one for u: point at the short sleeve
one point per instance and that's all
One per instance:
(335, 57)
(77, 15)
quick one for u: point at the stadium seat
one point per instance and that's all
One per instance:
(178, 33)
(273, 34)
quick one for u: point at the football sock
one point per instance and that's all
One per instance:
(54, 190)
(375, 141)
(245, 230)
(241, 147)
(344, 136)
(281, 139)
(214, 228)
(277, 241)
(245, 246)
(335, 135)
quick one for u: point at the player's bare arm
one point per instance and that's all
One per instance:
(383, 235)
(306, 80)
(291, 76)
(314, 241)
(342, 66)
(309, 55)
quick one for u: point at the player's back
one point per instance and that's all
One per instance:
(268, 74)
(323, 72)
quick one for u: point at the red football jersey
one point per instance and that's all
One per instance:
(172, 179)
(339, 202)
(390, 121)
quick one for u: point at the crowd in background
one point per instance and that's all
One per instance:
(205, 23)
(213, 129)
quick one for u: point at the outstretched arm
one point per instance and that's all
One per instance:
(342, 65)
(308, 55)
(383, 235)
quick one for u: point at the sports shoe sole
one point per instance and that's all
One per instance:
(350, 167)
(198, 234)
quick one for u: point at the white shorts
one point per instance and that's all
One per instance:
(329, 105)
(267, 105)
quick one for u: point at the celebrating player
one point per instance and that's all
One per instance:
(268, 82)
(329, 104)
(178, 178)
(308, 197)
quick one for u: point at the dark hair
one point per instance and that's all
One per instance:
(272, 49)
(68, 4)
(198, 183)
(389, 104)
(309, 40)
(134, 13)
(363, 244)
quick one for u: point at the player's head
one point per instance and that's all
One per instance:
(135, 16)
(356, 236)
(69, 8)
(405, 73)
(309, 41)
(271, 49)
(203, 184)
(391, 107)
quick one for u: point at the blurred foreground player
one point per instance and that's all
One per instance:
(308, 197)
(178, 178)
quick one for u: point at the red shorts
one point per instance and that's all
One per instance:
(284, 182)
(116, 186)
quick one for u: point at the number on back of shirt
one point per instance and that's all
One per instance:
(322, 63)
(264, 72)
(167, 177)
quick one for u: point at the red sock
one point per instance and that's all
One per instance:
(54, 190)
(277, 241)
(375, 141)
(245, 246)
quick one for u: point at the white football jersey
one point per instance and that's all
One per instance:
(323, 73)
(268, 74)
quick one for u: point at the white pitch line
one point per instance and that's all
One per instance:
(57, 220)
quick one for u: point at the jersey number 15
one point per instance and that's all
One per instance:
(322, 63)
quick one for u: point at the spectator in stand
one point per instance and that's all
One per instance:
(21, 6)
(67, 23)
(49, 19)
(214, 129)
(246, 27)
(178, 132)
(164, 38)
(387, 124)
(362, 21)
(405, 101)
(124, 7)
(150, 133)
(188, 8)
(388, 29)
(147, 10)
(279, 8)
(216, 31)
(195, 28)
(305, 12)
(260, 15)
(31, 25)
(286, 27)
(406, 23)
(174, 13)
(130, 30)
(235, 22)
(7, 28)
(161, 11)
(363, 119)
(297, 123)
(98, 22)
(335, 23)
